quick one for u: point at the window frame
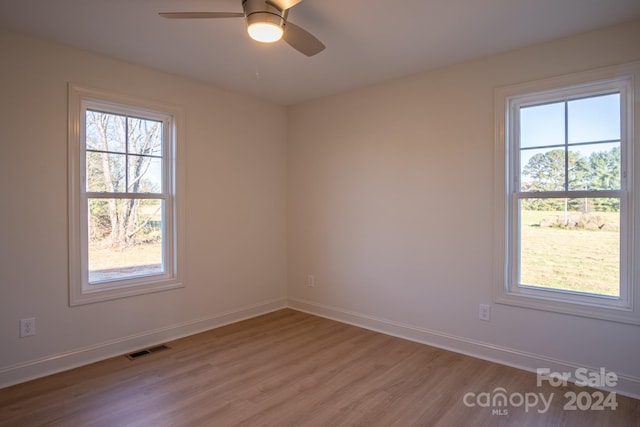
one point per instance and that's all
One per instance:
(508, 100)
(81, 292)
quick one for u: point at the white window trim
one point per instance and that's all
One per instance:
(79, 99)
(625, 310)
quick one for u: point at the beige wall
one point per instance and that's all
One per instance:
(391, 205)
(235, 210)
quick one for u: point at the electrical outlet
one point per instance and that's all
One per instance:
(27, 327)
(484, 312)
(311, 281)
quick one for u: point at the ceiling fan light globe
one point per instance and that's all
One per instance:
(265, 32)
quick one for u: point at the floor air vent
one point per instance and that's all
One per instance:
(147, 351)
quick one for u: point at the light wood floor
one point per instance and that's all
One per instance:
(291, 369)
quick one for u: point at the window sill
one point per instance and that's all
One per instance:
(99, 295)
(589, 307)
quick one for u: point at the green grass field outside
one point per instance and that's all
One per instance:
(570, 259)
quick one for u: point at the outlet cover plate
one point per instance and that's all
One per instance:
(484, 312)
(27, 327)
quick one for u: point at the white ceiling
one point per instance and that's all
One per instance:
(367, 41)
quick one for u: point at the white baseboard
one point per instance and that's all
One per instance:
(72, 359)
(627, 385)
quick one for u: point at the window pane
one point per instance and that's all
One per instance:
(105, 132)
(594, 167)
(145, 174)
(542, 170)
(594, 119)
(105, 172)
(542, 125)
(125, 239)
(145, 137)
(571, 245)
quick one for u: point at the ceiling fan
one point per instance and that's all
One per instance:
(266, 22)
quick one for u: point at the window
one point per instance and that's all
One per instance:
(124, 232)
(564, 195)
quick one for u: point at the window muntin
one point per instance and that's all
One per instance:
(123, 210)
(570, 144)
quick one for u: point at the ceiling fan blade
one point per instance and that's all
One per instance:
(302, 40)
(283, 4)
(199, 15)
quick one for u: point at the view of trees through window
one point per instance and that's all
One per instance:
(569, 209)
(124, 186)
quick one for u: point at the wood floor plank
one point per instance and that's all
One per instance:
(289, 368)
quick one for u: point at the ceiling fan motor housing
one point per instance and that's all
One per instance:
(266, 21)
(259, 11)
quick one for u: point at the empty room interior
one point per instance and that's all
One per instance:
(418, 213)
